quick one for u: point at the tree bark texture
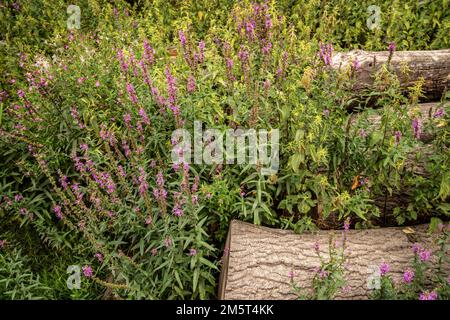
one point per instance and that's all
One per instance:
(432, 65)
(259, 259)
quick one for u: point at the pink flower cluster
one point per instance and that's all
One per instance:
(428, 295)
(423, 254)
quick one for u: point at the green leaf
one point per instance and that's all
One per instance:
(195, 279)
(208, 263)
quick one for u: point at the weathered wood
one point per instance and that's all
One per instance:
(432, 65)
(259, 259)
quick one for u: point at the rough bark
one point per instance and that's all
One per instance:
(432, 65)
(259, 259)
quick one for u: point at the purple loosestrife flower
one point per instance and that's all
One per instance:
(433, 295)
(194, 187)
(291, 275)
(132, 93)
(2, 243)
(176, 166)
(18, 197)
(268, 22)
(178, 211)
(439, 113)
(121, 58)
(133, 64)
(428, 295)
(417, 128)
(416, 248)
(87, 271)
(323, 274)
(144, 116)
(250, 29)
(326, 53)
(362, 133)
(160, 179)
(182, 38)
(201, 48)
(104, 134)
(243, 55)
(191, 84)
(110, 185)
(143, 185)
(99, 256)
(160, 195)
(84, 147)
(63, 181)
(397, 136)
(266, 49)
(145, 75)
(316, 246)
(356, 65)
(347, 224)
(425, 255)
(408, 276)
(168, 242)
(229, 64)
(57, 211)
(149, 52)
(192, 252)
(75, 116)
(127, 119)
(384, 268)
(391, 47)
(121, 171)
(171, 86)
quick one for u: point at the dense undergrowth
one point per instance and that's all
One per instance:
(87, 115)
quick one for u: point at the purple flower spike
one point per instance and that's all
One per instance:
(384, 268)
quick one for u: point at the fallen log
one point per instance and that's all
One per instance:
(432, 65)
(259, 259)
